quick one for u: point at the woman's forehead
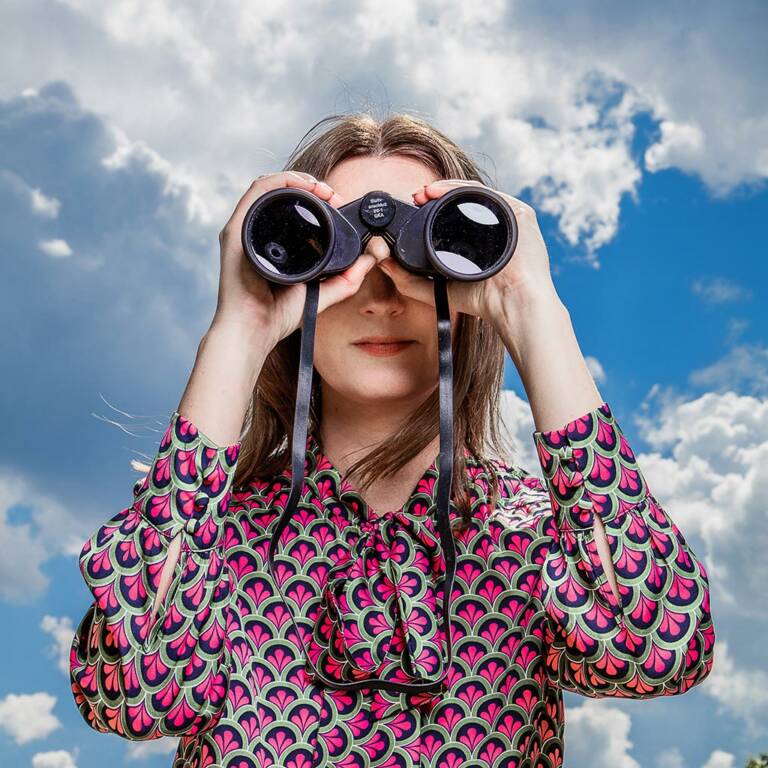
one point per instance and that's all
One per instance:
(399, 175)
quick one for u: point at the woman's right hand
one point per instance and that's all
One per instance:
(250, 302)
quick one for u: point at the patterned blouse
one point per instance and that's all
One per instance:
(532, 611)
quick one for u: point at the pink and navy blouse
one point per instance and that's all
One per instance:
(532, 611)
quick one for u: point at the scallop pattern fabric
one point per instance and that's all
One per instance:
(532, 611)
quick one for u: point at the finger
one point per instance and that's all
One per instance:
(440, 186)
(408, 283)
(322, 189)
(267, 182)
(346, 283)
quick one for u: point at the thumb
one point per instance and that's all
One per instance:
(409, 283)
(345, 284)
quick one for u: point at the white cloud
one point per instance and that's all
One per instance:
(720, 759)
(62, 631)
(146, 750)
(550, 92)
(673, 758)
(56, 248)
(59, 758)
(740, 691)
(38, 202)
(596, 369)
(45, 206)
(719, 290)
(49, 529)
(713, 481)
(680, 144)
(26, 717)
(743, 369)
(597, 735)
(670, 758)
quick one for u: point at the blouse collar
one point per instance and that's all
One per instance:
(419, 502)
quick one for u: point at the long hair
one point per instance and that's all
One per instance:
(478, 351)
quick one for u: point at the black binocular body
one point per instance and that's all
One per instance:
(292, 236)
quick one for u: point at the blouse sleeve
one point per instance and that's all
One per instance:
(658, 639)
(142, 679)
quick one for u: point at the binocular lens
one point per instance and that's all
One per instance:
(288, 237)
(469, 234)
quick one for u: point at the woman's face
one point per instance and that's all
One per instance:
(353, 372)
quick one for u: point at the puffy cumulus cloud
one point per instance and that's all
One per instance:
(743, 369)
(29, 197)
(129, 301)
(673, 758)
(62, 631)
(712, 477)
(699, 73)
(670, 758)
(720, 759)
(27, 717)
(141, 261)
(146, 750)
(597, 735)
(740, 689)
(516, 427)
(56, 248)
(551, 92)
(34, 527)
(58, 758)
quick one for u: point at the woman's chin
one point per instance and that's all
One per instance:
(378, 387)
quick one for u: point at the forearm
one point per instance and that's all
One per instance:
(221, 384)
(539, 336)
(216, 397)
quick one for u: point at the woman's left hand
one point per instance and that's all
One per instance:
(524, 276)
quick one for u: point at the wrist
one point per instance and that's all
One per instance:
(514, 305)
(242, 335)
(242, 352)
(529, 317)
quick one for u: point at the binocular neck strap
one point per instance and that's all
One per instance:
(445, 476)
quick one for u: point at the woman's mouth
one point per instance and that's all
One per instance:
(382, 346)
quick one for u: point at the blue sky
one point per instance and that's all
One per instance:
(641, 138)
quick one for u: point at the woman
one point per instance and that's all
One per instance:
(581, 583)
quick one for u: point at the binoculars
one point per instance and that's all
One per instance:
(292, 236)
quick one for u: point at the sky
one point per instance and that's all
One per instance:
(638, 132)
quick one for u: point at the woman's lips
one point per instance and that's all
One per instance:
(382, 349)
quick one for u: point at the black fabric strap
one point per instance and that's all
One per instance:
(448, 544)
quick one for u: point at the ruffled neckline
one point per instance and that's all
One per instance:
(419, 501)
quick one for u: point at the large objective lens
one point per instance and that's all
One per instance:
(288, 236)
(469, 234)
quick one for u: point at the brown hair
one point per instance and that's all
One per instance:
(478, 351)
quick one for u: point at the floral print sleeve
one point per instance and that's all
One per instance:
(658, 638)
(144, 679)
